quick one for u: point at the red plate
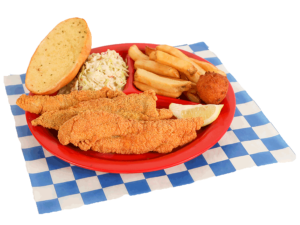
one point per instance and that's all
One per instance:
(115, 163)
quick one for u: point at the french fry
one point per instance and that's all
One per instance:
(148, 50)
(145, 87)
(156, 68)
(181, 65)
(179, 54)
(174, 78)
(208, 67)
(192, 97)
(172, 51)
(136, 54)
(193, 89)
(152, 56)
(159, 82)
(183, 76)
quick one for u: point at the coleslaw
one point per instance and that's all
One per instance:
(107, 69)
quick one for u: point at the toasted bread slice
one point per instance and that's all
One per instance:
(59, 57)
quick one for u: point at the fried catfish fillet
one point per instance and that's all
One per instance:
(110, 133)
(144, 103)
(42, 103)
(55, 119)
(133, 106)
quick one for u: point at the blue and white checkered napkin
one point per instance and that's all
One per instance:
(250, 141)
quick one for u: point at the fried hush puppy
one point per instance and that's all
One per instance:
(212, 87)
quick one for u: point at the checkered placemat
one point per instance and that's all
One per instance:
(250, 141)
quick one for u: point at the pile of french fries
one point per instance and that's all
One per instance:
(168, 71)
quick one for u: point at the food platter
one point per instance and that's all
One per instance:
(117, 163)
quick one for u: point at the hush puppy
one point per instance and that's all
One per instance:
(212, 87)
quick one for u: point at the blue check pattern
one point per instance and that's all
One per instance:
(250, 141)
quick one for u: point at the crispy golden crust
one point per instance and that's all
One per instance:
(131, 144)
(87, 127)
(123, 106)
(39, 104)
(55, 119)
(212, 88)
(143, 103)
(110, 133)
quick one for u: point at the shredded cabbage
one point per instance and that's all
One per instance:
(105, 69)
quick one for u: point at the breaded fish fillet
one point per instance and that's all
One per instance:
(133, 106)
(42, 103)
(145, 141)
(144, 103)
(109, 133)
(55, 119)
(87, 127)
